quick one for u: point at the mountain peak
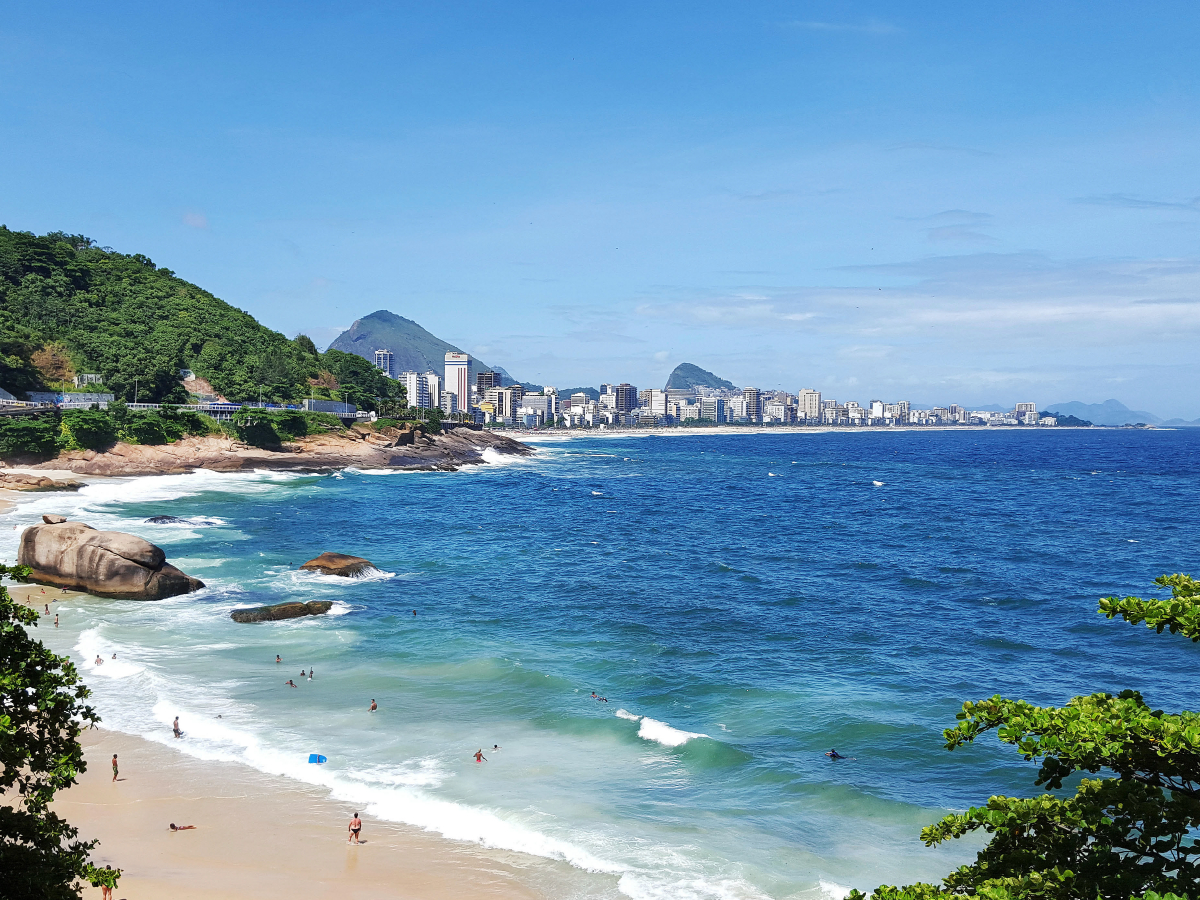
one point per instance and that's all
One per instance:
(688, 375)
(414, 348)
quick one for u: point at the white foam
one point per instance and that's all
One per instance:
(625, 714)
(91, 645)
(833, 890)
(662, 733)
(341, 608)
(301, 576)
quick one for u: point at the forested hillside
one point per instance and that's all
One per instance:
(70, 307)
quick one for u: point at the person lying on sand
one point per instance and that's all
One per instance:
(175, 827)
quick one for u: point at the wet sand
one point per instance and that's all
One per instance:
(261, 836)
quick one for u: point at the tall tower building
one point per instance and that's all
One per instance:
(753, 398)
(808, 404)
(385, 362)
(627, 397)
(417, 390)
(458, 378)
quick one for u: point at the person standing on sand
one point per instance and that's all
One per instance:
(114, 767)
(56, 620)
(355, 828)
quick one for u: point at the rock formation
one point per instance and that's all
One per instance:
(102, 563)
(396, 448)
(339, 564)
(279, 611)
(16, 481)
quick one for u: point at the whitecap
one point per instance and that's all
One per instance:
(662, 733)
(625, 714)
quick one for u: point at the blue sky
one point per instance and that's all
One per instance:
(966, 203)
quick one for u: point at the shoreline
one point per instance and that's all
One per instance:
(566, 434)
(260, 835)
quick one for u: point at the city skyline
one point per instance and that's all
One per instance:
(900, 201)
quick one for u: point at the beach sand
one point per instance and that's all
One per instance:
(262, 836)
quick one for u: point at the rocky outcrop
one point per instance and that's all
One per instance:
(396, 448)
(166, 520)
(281, 611)
(20, 482)
(102, 563)
(339, 564)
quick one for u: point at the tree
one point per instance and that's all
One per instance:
(1128, 836)
(42, 712)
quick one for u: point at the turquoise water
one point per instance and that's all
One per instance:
(745, 603)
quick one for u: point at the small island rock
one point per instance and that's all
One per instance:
(339, 564)
(52, 519)
(279, 611)
(102, 563)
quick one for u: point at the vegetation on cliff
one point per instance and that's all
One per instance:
(1127, 836)
(69, 307)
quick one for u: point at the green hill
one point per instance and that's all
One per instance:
(415, 349)
(68, 306)
(687, 376)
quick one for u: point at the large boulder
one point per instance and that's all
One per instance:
(103, 563)
(279, 611)
(339, 564)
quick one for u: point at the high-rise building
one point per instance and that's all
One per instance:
(385, 362)
(434, 383)
(417, 390)
(753, 398)
(485, 381)
(627, 397)
(808, 405)
(458, 378)
(658, 403)
(713, 409)
(449, 404)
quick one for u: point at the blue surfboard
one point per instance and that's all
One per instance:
(316, 758)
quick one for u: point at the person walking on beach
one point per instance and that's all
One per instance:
(47, 606)
(114, 767)
(56, 620)
(355, 828)
(479, 757)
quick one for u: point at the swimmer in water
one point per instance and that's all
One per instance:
(278, 658)
(479, 757)
(99, 661)
(290, 683)
(495, 747)
(373, 707)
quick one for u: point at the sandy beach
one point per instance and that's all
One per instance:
(260, 836)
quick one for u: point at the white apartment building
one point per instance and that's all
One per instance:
(458, 378)
(417, 389)
(385, 362)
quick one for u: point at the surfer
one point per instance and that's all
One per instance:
(479, 757)
(833, 754)
(355, 828)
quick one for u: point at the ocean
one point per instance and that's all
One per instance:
(744, 603)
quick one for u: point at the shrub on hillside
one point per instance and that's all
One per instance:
(88, 429)
(31, 436)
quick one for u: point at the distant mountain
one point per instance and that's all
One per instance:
(593, 393)
(415, 349)
(687, 376)
(1182, 423)
(1110, 412)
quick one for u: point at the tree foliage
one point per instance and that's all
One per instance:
(42, 712)
(1128, 836)
(72, 306)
